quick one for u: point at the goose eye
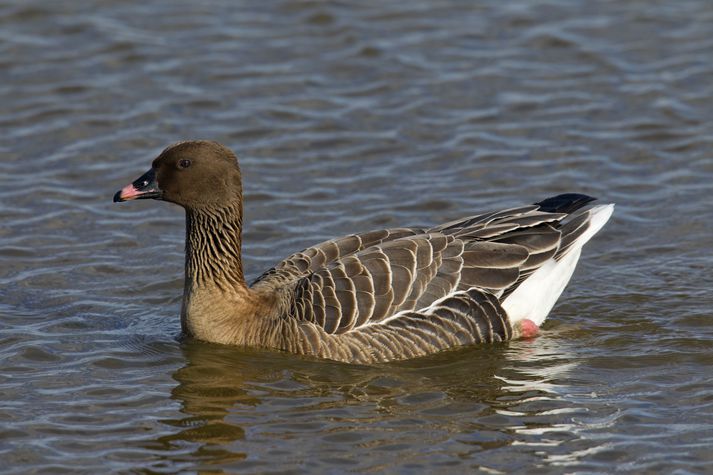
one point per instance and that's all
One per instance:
(184, 163)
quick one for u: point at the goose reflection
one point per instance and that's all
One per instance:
(242, 405)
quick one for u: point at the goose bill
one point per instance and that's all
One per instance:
(142, 188)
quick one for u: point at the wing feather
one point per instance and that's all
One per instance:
(442, 283)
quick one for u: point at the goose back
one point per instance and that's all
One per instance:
(416, 290)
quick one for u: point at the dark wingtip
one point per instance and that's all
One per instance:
(565, 203)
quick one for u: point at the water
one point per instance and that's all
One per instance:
(348, 117)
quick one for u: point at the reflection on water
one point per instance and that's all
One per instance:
(347, 117)
(475, 400)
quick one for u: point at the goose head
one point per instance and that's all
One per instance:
(195, 175)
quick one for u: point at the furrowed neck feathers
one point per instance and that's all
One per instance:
(213, 243)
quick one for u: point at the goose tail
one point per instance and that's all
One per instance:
(536, 295)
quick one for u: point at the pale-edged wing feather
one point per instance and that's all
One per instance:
(316, 257)
(461, 318)
(377, 282)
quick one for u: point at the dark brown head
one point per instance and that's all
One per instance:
(195, 174)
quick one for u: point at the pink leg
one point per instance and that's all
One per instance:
(528, 329)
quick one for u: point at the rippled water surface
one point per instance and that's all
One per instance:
(351, 116)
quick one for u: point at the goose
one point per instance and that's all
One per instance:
(372, 297)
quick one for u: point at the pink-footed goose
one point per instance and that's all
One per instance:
(373, 297)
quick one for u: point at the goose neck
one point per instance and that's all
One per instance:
(213, 242)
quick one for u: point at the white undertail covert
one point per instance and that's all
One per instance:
(536, 296)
